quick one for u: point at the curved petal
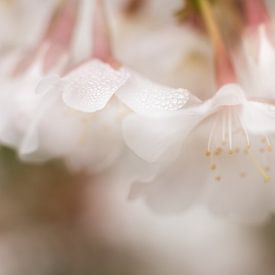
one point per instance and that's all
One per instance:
(89, 87)
(47, 83)
(30, 142)
(158, 138)
(146, 97)
(259, 118)
(18, 103)
(228, 95)
(266, 51)
(178, 185)
(151, 138)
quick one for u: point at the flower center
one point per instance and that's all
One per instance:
(228, 137)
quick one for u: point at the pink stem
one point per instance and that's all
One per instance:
(225, 72)
(59, 38)
(102, 48)
(256, 12)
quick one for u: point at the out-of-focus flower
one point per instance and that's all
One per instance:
(19, 26)
(189, 56)
(82, 102)
(255, 60)
(18, 99)
(257, 70)
(82, 106)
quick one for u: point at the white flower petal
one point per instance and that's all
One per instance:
(228, 95)
(266, 52)
(146, 97)
(46, 84)
(30, 142)
(179, 185)
(90, 87)
(259, 118)
(151, 138)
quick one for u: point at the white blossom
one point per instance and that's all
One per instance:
(219, 152)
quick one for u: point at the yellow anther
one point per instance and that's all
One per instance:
(259, 167)
(213, 167)
(242, 174)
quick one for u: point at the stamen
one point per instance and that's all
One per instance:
(213, 167)
(102, 48)
(244, 131)
(230, 119)
(258, 166)
(242, 174)
(230, 131)
(223, 127)
(210, 138)
(269, 145)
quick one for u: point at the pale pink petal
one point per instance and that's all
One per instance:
(154, 138)
(178, 185)
(228, 95)
(146, 97)
(259, 118)
(90, 87)
(46, 84)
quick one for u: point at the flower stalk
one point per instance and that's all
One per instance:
(102, 46)
(256, 13)
(60, 34)
(56, 39)
(224, 69)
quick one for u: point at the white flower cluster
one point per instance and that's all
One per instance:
(173, 147)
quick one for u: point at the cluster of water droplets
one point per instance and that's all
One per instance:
(91, 86)
(158, 99)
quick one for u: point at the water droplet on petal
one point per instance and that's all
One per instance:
(90, 87)
(145, 96)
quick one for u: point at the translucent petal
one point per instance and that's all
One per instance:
(47, 83)
(150, 138)
(259, 118)
(146, 97)
(266, 52)
(179, 184)
(228, 95)
(90, 87)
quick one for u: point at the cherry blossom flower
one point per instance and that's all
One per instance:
(23, 73)
(82, 101)
(218, 151)
(80, 118)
